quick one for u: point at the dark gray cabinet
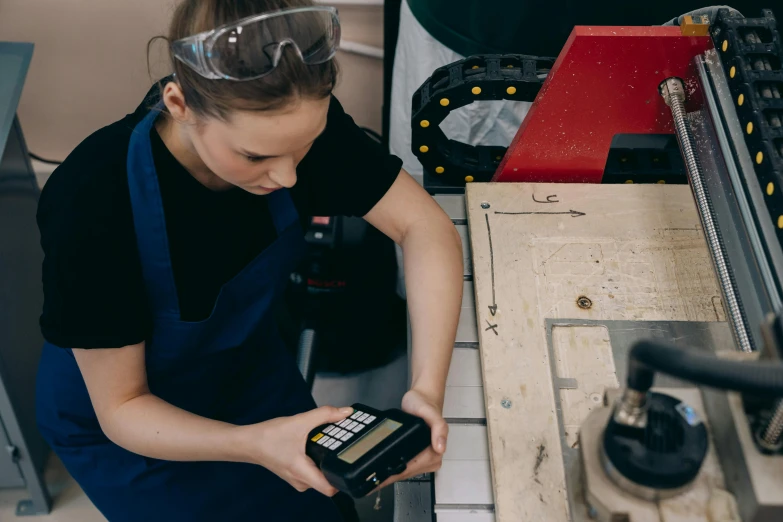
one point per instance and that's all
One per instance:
(23, 453)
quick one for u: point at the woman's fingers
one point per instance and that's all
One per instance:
(440, 434)
(308, 473)
(324, 415)
(417, 404)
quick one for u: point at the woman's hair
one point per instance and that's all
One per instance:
(290, 80)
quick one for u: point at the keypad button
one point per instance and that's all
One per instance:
(346, 436)
(345, 422)
(357, 415)
(324, 440)
(351, 426)
(329, 429)
(339, 434)
(336, 444)
(331, 444)
(363, 417)
(358, 428)
(369, 419)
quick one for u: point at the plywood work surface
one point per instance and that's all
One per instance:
(600, 252)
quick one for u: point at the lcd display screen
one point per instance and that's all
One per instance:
(371, 439)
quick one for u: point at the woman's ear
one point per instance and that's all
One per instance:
(174, 100)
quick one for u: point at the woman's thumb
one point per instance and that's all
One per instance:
(327, 414)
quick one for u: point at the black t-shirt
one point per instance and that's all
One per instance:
(94, 295)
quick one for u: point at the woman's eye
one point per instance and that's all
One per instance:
(253, 159)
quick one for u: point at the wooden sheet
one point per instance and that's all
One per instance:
(625, 252)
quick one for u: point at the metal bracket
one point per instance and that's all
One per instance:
(27, 508)
(622, 335)
(13, 452)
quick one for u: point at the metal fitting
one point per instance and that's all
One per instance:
(631, 410)
(672, 90)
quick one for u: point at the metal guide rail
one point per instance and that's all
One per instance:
(739, 140)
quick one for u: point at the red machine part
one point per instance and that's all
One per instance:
(605, 82)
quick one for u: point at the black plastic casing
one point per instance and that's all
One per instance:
(387, 458)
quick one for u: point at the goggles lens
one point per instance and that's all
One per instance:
(253, 49)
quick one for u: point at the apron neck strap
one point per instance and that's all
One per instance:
(149, 220)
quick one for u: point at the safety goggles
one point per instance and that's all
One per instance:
(252, 47)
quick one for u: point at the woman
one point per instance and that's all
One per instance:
(164, 386)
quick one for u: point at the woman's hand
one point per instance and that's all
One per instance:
(279, 446)
(430, 460)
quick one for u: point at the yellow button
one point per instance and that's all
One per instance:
(425, 123)
(509, 66)
(444, 102)
(770, 189)
(741, 100)
(749, 128)
(732, 71)
(780, 222)
(476, 90)
(424, 148)
(629, 181)
(440, 170)
(317, 437)
(662, 182)
(759, 157)
(468, 179)
(475, 67)
(511, 90)
(725, 45)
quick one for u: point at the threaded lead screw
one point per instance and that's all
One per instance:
(674, 95)
(773, 433)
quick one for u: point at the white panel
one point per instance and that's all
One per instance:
(454, 205)
(467, 258)
(464, 402)
(466, 330)
(464, 482)
(465, 368)
(451, 515)
(467, 442)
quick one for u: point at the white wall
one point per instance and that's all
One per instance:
(89, 67)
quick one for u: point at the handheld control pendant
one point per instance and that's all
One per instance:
(359, 453)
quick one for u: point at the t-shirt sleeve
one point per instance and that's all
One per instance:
(346, 172)
(93, 287)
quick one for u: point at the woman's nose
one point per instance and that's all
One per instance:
(284, 172)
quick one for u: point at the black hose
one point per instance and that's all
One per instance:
(36, 157)
(647, 358)
(305, 355)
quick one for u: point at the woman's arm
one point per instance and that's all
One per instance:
(140, 422)
(135, 419)
(432, 254)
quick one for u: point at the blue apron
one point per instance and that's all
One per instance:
(231, 367)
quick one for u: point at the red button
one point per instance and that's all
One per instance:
(321, 220)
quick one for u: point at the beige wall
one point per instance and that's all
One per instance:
(90, 69)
